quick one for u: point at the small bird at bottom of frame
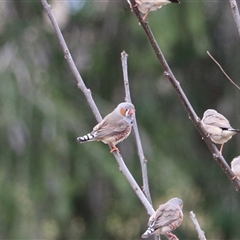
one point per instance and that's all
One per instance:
(167, 218)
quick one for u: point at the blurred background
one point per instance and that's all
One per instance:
(53, 188)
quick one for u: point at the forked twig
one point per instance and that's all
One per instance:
(223, 70)
(87, 93)
(184, 100)
(142, 158)
(201, 234)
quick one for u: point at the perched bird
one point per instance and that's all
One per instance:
(145, 6)
(218, 127)
(114, 128)
(168, 217)
(235, 166)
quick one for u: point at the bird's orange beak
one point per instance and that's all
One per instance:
(132, 111)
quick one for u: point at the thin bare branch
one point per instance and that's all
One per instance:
(201, 234)
(184, 100)
(88, 96)
(87, 92)
(142, 158)
(235, 13)
(124, 58)
(222, 70)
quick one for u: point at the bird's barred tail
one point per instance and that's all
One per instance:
(85, 138)
(148, 233)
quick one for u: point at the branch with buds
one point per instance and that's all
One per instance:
(184, 100)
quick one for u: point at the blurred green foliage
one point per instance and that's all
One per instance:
(54, 188)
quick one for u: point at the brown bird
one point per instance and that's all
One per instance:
(218, 127)
(167, 218)
(145, 6)
(235, 166)
(114, 128)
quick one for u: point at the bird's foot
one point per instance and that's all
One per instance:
(233, 177)
(114, 148)
(172, 236)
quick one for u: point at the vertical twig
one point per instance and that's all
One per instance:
(88, 96)
(124, 58)
(235, 13)
(142, 158)
(200, 232)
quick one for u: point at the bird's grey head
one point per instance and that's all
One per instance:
(177, 201)
(126, 110)
(209, 112)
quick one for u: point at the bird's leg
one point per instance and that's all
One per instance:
(145, 16)
(172, 236)
(221, 148)
(114, 148)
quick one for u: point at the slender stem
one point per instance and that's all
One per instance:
(201, 234)
(221, 68)
(142, 158)
(184, 100)
(124, 58)
(88, 96)
(123, 168)
(235, 12)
